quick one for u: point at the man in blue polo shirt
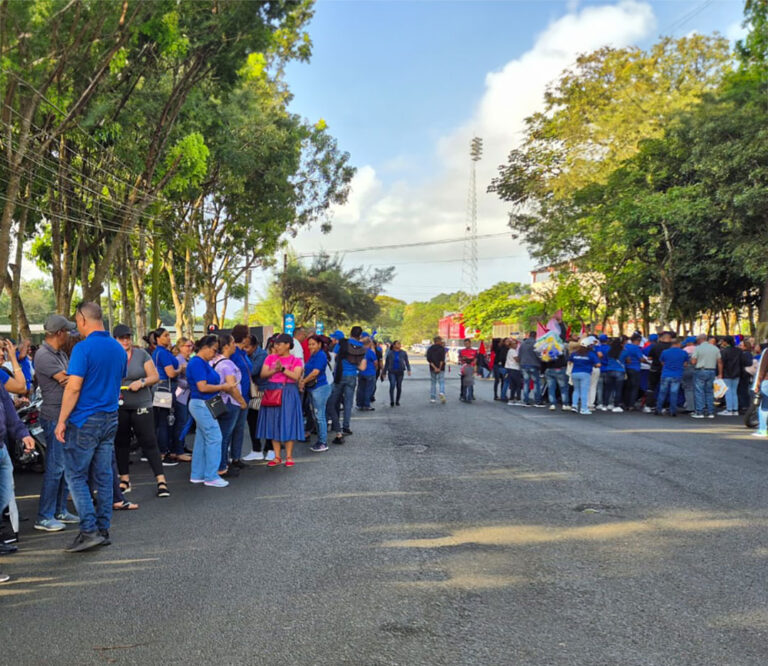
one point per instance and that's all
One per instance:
(673, 360)
(350, 358)
(88, 422)
(632, 357)
(240, 333)
(366, 380)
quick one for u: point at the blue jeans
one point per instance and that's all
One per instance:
(320, 395)
(581, 381)
(762, 410)
(513, 382)
(344, 389)
(181, 413)
(227, 425)
(531, 372)
(469, 392)
(732, 394)
(206, 454)
(436, 383)
(557, 377)
(669, 386)
(89, 451)
(365, 386)
(613, 385)
(53, 494)
(703, 392)
(6, 478)
(395, 386)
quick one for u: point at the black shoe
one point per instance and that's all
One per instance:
(239, 464)
(338, 439)
(347, 431)
(397, 403)
(168, 461)
(85, 541)
(391, 404)
(7, 549)
(107, 541)
(231, 473)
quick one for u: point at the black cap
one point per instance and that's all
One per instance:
(284, 337)
(121, 331)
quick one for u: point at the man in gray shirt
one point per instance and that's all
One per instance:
(707, 363)
(51, 371)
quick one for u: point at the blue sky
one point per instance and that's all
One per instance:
(403, 86)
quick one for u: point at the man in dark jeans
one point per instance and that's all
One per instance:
(632, 356)
(436, 360)
(88, 423)
(500, 349)
(654, 376)
(344, 380)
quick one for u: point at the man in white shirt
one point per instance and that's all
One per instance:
(299, 335)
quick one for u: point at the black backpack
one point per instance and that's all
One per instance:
(351, 353)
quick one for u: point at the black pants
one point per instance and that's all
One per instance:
(654, 378)
(253, 420)
(631, 388)
(497, 379)
(139, 422)
(395, 386)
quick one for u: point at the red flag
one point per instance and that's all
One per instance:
(583, 332)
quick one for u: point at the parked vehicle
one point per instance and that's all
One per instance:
(33, 460)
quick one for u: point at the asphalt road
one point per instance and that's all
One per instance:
(439, 534)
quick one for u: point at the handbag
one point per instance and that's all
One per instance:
(216, 406)
(255, 401)
(163, 398)
(272, 397)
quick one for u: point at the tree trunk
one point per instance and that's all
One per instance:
(17, 326)
(138, 266)
(247, 302)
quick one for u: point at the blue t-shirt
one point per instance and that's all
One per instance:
(347, 368)
(395, 361)
(318, 361)
(673, 360)
(197, 371)
(370, 360)
(163, 358)
(243, 363)
(26, 368)
(631, 355)
(584, 362)
(604, 358)
(101, 361)
(608, 364)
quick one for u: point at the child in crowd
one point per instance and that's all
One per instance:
(468, 379)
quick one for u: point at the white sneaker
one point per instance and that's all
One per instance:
(270, 455)
(217, 483)
(196, 480)
(647, 410)
(432, 400)
(442, 398)
(586, 412)
(763, 435)
(253, 455)
(710, 416)
(617, 410)
(511, 403)
(697, 416)
(566, 408)
(552, 408)
(603, 408)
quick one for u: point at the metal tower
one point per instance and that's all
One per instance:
(469, 267)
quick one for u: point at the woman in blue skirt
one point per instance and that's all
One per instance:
(283, 424)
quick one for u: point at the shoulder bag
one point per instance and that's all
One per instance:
(163, 398)
(216, 406)
(272, 397)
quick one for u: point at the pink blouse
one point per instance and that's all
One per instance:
(289, 362)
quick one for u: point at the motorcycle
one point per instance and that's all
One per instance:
(30, 415)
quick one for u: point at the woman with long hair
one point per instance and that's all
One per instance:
(315, 381)
(280, 416)
(230, 374)
(134, 416)
(395, 366)
(613, 374)
(204, 384)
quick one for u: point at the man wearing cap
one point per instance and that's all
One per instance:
(602, 348)
(51, 368)
(88, 423)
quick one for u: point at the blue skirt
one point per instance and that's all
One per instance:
(284, 423)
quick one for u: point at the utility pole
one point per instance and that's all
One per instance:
(469, 268)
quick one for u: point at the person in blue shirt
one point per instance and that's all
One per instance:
(25, 363)
(601, 349)
(88, 423)
(349, 361)
(168, 369)
(366, 381)
(316, 383)
(257, 355)
(612, 369)
(395, 366)
(584, 360)
(240, 358)
(673, 361)
(631, 357)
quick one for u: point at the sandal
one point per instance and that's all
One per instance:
(289, 462)
(125, 486)
(162, 489)
(125, 505)
(275, 462)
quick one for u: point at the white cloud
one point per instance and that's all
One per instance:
(736, 31)
(428, 210)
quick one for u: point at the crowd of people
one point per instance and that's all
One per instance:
(103, 396)
(663, 374)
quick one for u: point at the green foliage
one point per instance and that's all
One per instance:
(500, 303)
